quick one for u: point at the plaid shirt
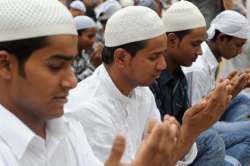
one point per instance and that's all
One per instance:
(170, 91)
(83, 67)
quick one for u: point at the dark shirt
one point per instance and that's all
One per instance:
(170, 91)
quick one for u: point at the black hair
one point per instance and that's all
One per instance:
(181, 34)
(22, 49)
(132, 48)
(217, 32)
(81, 31)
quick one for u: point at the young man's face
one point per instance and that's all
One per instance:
(49, 76)
(186, 50)
(148, 62)
(87, 38)
(229, 48)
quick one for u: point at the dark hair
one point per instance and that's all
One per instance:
(81, 31)
(132, 48)
(180, 34)
(228, 37)
(22, 49)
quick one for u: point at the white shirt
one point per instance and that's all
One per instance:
(65, 144)
(105, 112)
(201, 75)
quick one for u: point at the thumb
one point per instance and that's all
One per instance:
(117, 151)
(192, 111)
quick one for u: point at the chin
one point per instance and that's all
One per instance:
(188, 64)
(56, 113)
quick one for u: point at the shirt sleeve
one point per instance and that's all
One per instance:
(198, 85)
(189, 158)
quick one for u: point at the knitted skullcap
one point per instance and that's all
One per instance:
(78, 5)
(23, 19)
(107, 9)
(84, 22)
(131, 24)
(183, 15)
(230, 23)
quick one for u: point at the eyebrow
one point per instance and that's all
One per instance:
(62, 57)
(158, 52)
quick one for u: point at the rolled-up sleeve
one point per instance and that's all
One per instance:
(189, 158)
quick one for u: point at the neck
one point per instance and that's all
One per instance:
(124, 86)
(30, 120)
(80, 50)
(171, 65)
(214, 49)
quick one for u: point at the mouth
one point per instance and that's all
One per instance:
(61, 99)
(157, 75)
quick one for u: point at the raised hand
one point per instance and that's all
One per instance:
(202, 116)
(158, 148)
(239, 81)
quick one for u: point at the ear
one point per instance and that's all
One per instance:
(173, 40)
(121, 57)
(5, 65)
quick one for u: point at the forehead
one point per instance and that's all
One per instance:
(238, 40)
(156, 44)
(89, 31)
(59, 44)
(197, 34)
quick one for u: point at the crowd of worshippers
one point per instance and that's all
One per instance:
(123, 83)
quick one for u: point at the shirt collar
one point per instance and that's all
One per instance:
(112, 87)
(209, 56)
(167, 76)
(18, 136)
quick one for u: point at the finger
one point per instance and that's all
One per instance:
(151, 125)
(117, 151)
(172, 120)
(192, 111)
(220, 80)
(247, 70)
(232, 74)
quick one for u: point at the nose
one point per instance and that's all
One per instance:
(93, 39)
(69, 80)
(161, 65)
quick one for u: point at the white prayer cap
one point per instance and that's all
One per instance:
(107, 9)
(78, 5)
(23, 19)
(126, 3)
(183, 15)
(230, 23)
(84, 22)
(131, 24)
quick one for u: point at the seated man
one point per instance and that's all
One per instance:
(170, 89)
(37, 49)
(114, 100)
(226, 36)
